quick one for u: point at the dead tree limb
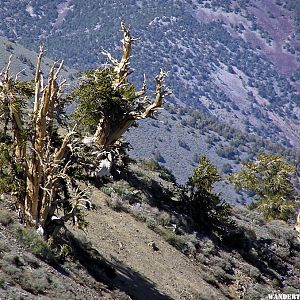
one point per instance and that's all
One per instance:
(107, 133)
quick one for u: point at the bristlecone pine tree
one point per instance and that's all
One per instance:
(270, 178)
(207, 207)
(36, 161)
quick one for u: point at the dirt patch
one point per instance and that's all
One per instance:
(127, 243)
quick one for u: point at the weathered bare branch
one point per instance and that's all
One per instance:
(38, 83)
(7, 69)
(106, 134)
(20, 72)
(47, 168)
(43, 114)
(160, 93)
(61, 151)
(143, 90)
(123, 67)
(110, 58)
(58, 69)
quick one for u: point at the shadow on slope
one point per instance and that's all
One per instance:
(114, 275)
(156, 182)
(271, 247)
(252, 256)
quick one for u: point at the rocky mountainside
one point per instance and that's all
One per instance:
(233, 67)
(179, 135)
(236, 60)
(139, 245)
(181, 39)
(23, 61)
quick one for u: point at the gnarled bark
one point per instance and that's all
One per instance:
(45, 170)
(107, 134)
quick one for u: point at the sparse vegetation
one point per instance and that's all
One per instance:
(47, 172)
(175, 240)
(6, 218)
(34, 243)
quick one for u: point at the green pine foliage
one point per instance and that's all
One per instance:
(7, 183)
(98, 98)
(207, 207)
(270, 178)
